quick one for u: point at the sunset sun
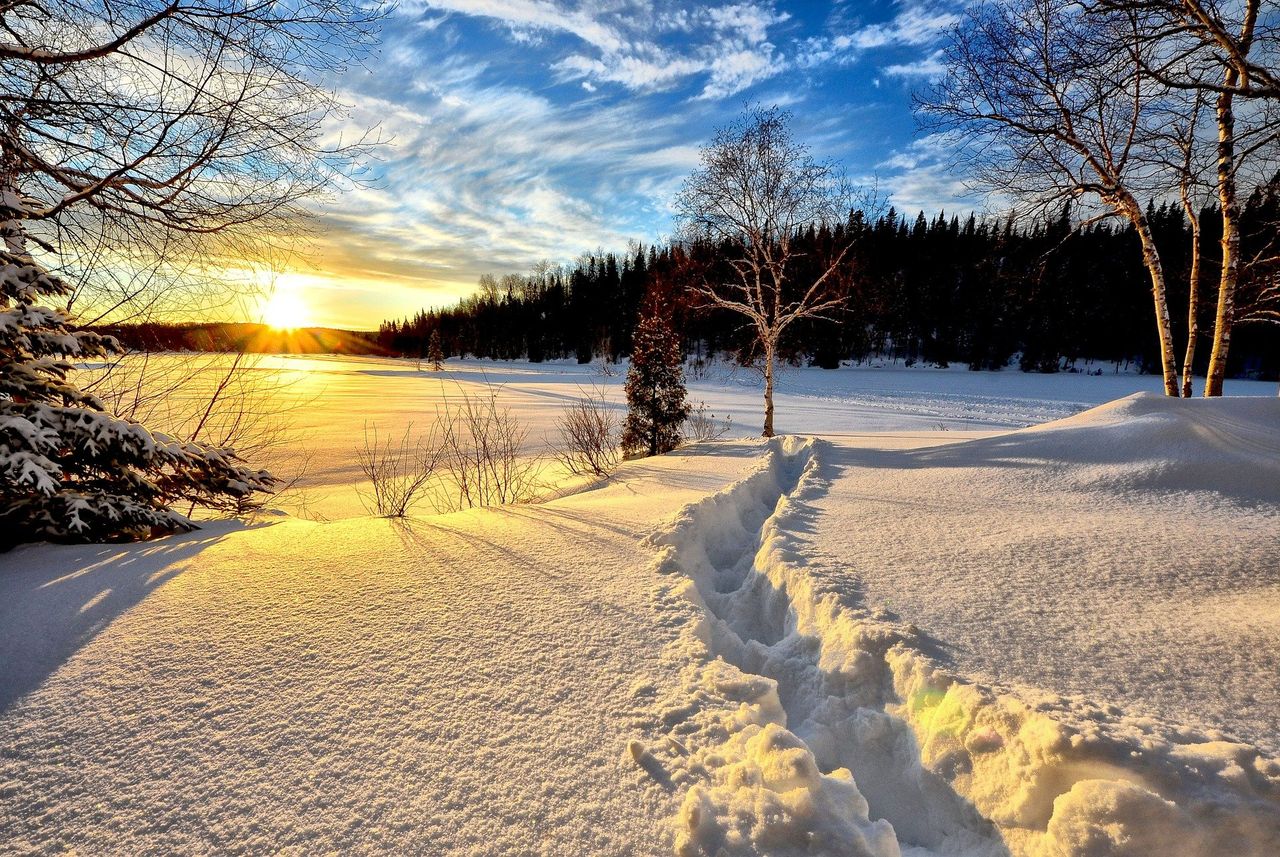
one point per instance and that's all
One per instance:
(285, 310)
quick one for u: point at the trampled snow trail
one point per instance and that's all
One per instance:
(763, 724)
(809, 724)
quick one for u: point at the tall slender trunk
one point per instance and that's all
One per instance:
(768, 392)
(1151, 256)
(1225, 316)
(1193, 303)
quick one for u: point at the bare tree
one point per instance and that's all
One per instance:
(1228, 50)
(1052, 102)
(756, 189)
(215, 400)
(146, 144)
(1192, 192)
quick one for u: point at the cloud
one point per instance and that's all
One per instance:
(527, 15)
(528, 129)
(483, 177)
(920, 177)
(622, 42)
(917, 23)
(927, 68)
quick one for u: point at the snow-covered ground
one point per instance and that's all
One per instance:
(875, 637)
(331, 400)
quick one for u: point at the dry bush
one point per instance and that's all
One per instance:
(482, 445)
(702, 425)
(590, 432)
(398, 470)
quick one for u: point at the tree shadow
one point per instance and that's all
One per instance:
(54, 599)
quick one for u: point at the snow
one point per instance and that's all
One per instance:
(876, 637)
(1127, 554)
(458, 684)
(784, 574)
(328, 402)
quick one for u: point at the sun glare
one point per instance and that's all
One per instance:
(285, 310)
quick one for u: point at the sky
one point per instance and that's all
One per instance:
(524, 130)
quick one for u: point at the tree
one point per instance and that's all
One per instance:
(656, 398)
(1228, 51)
(141, 141)
(434, 354)
(755, 193)
(69, 471)
(1052, 101)
(1184, 136)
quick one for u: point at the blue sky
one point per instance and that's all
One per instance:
(521, 130)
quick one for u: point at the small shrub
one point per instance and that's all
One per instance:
(397, 471)
(589, 436)
(702, 425)
(482, 445)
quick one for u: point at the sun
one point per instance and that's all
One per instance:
(285, 310)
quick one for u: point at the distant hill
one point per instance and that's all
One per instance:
(243, 336)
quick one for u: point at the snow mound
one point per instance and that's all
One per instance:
(808, 724)
(1146, 442)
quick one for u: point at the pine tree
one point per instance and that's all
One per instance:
(69, 471)
(656, 404)
(434, 353)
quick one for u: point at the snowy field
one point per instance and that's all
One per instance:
(329, 402)
(913, 627)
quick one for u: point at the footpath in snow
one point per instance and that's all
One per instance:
(813, 720)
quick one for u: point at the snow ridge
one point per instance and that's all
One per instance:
(807, 724)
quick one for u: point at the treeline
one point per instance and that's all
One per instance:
(242, 337)
(944, 290)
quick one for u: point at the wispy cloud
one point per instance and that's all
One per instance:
(920, 177)
(529, 129)
(925, 68)
(622, 42)
(916, 23)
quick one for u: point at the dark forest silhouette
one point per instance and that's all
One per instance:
(947, 290)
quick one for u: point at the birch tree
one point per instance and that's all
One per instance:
(1050, 102)
(1228, 50)
(756, 189)
(1188, 160)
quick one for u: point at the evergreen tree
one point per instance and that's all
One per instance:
(434, 354)
(656, 403)
(69, 471)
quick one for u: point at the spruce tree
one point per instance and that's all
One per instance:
(434, 353)
(69, 471)
(656, 404)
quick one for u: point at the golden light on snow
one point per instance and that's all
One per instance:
(285, 309)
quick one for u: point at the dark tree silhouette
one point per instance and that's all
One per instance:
(434, 353)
